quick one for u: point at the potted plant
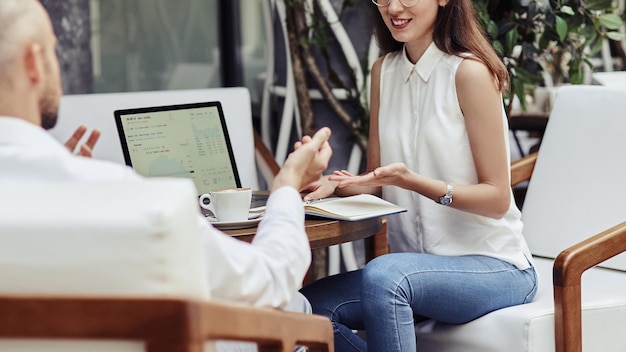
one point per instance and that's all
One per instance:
(555, 36)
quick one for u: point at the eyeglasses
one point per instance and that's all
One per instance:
(405, 3)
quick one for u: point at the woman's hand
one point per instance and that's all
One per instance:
(321, 188)
(390, 175)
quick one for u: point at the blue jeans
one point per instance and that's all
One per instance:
(394, 291)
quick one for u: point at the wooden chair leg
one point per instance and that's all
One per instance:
(378, 243)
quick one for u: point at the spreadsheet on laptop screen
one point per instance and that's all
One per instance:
(179, 141)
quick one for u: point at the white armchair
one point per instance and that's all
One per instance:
(119, 266)
(577, 190)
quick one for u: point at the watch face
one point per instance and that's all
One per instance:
(445, 200)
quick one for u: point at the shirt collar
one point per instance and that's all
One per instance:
(15, 131)
(424, 66)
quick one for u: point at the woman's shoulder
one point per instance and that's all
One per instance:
(385, 62)
(471, 69)
(390, 58)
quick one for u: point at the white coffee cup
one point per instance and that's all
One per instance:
(232, 204)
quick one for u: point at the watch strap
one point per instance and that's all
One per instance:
(446, 199)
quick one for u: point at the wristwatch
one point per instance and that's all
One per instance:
(446, 199)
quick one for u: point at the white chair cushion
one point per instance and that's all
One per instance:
(110, 238)
(530, 327)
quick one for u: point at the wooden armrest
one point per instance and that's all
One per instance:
(522, 169)
(272, 329)
(568, 268)
(164, 324)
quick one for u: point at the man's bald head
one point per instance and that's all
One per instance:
(30, 83)
(20, 22)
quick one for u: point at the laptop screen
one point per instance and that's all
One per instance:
(189, 140)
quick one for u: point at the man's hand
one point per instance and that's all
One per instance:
(307, 162)
(87, 148)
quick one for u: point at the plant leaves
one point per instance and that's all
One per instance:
(520, 93)
(492, 29)
(567, 10)
(561, 27)
(497, 45)
(610, 20)
(589, 32)
(617, 36)
(511, 39)
(596, 46)
(599, 5)
(543, 42)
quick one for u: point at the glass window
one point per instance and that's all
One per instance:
(154, 44)
(140, 45)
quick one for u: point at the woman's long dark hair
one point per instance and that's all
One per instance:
(457, 31)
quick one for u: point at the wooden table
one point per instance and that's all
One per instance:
(326, 232)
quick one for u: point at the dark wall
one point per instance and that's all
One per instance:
(71, 22)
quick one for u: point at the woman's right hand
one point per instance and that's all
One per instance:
(394, 174)
(321, 188)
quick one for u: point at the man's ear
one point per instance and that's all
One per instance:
(33, 63)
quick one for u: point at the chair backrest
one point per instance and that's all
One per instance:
(578, 186)
(130, 239)
(96, 111)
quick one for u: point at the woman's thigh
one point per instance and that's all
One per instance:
(452, 289)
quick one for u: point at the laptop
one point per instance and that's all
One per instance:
(184, 140)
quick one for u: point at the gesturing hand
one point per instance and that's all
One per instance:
(321, 188)
(85, 149)
(307, 162)
(392, 174)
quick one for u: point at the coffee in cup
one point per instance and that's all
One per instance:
(232, 204)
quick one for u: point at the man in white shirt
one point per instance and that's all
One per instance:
(267, 272)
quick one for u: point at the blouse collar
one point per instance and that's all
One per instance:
(424, 66)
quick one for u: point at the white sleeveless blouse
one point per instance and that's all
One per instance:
(421, 125)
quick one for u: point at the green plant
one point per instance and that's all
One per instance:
(536, 35)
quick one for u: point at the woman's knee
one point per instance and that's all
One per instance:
(378, 267)
(384, 268)
(382, 278)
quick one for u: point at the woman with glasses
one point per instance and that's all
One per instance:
(438, 146)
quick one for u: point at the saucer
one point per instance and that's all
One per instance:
(233, 225)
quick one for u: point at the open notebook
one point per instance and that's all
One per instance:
(358, 207)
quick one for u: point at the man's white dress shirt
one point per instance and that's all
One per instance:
(266, 273)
